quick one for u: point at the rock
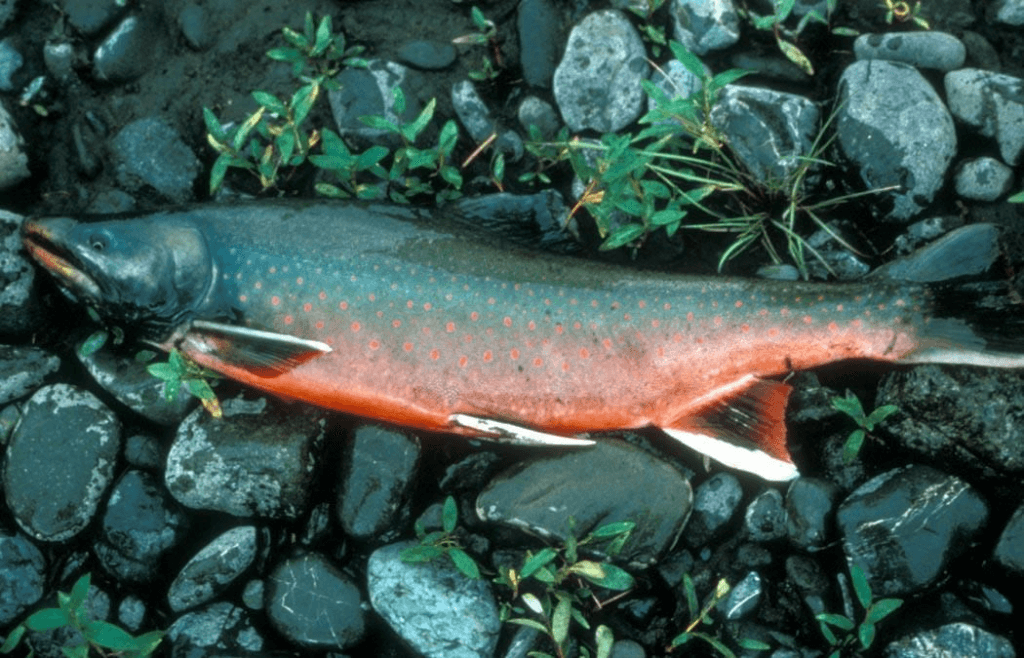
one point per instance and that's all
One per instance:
(7, 11)
(896, 130)
(213, 569)
(131, 613)
(22, 370)
(983, 179)
(20, 311)
(810, 580)
(141, 527)
(1010, 12)
(627, 649)
(13, 161)
(91, 16)
(368, 91)
(536, 220)
(968, 251)
(905, 527)
(926, 50)
(475, 116)
(131, 384)
(968, 419)
(219, 629)
(715, 503)
(1009, 551)
(427, 55)
(704, 25)
(769, 131)
(951, 640)
(250, 463)
(993, 104)
(540, 33)
(436, 609)
(22, 576)
(150, 153)
(676, 81)
(128, 51)
(743, 597)
(144, 452)
(810, 504)
(597, 85)
(10, 61)
(194, 22)
(765, 518)
(55, 499)
(534, 111)
(313, 604)
(51, 643)
(540, 496)
(379, 471)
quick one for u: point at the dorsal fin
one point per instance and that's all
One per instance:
(265, 353)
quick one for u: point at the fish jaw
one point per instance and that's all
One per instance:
(46, 241)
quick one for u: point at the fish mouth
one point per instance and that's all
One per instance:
(44, 240)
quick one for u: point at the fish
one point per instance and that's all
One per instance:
(410, 317)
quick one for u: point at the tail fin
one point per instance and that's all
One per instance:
(977, 324)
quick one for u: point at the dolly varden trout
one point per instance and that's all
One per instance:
(386, 314)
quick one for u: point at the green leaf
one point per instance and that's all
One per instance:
(795, 55)
(411, 131)
(415, 554)
(80, 591)
(217, 172)
(464, 563)
(47, 619)
(370, 157)
(110, 636)
(80, 651)
(849, 405)
(529, 623)
(285, 143)
(861, 587)
(294, 38)
(323, 36)
(853, 446)
(448, 138)
(498, 168)
(560, 620)
(604, 638)
(614, 578)
(339, 163)
(200, 389)
(148, 642)
(451, 176)
(752, 644)
(839, 621)
(331, 191)
(866, 634)
(302, 101)
(881, 609)
(545, 556)
(666, 217)
(688, 59)
(213, 125)
(880, 414)
(93, 343)
(271, 102)
(783, 9)
(691, 596)
(726, 78)
(613, 529)
(164, 371)
(450, 514)
(243, 131)
(380, 123)
(13, 638)
(681, 639)
(290, 55)
(623, 235)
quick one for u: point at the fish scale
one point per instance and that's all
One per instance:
(387, 313)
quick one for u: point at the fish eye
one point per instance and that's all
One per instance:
(97, 242)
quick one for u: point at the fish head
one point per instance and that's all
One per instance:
(151, 273)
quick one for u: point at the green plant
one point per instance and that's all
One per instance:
(851, 406)
(178, 370)
(701, 615)
(72, 612)
(874, 612)
(486, 35)
(444, 542)
(649, 31)
(554, 584)
(902, 11)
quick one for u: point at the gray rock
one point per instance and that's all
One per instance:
(368, 91)
(142, 525)
(436, 609)
(19, 306)
(213, 568)
(128, 51)
(767, 130)
(765, 517)
(775, 67)
(10, 61)
(59, 58)
(704, 25)
(993, 104)
(194, 22)
(131, 612)
(144, 452)
(676, 81)
(715, 503)
(150, 153)
(1009, 551)
(925, 231)
(218, 629)
(810, 580)
(597, 85)
(541, 496)
(896, 130)
(477, 119)
(253, 595)
(926, 50)
(957, 639)
(55, 499)
(810, 504)
(534, 111)
(968, 251)
(249, 463)
(132, 385)
(983, 179)
(9, 416)
(314, 605)
(22, 576)
(13, 161)
(628, 649)
(91, 16)
(1010, 12)
(7, 9)
(539, 24)
(427, 55)
(743, 597)
(380, 466)
(23, 369)
(904, 527)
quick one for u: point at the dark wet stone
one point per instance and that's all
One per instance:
(984, 598)
(752, 556)
(526, 219)
(476, 117)
(250, 463)
(51, 643)
(143, 452)
(471, 473)
(540, 36)
(810, 504)
(951, 640)
(23, 369)
(55, 499)
(132, 385)
(537, 112)
(992, 104)
(967, 420)
(968, 251)
(368, 91)
(59, 59)
(427, 55)
(627, 649)
(743, 597)
(927, 50)
(1009, 551)
(715, 503)
(91, 16)
(128, 51)
(380, 468)
(765, 518)
(436, 609)
(7, 11)
(9, 416)
(150, 153)
(313, 604)
(673, 567)
(703, 26)
(195, 27)
(540, 496)
(22, 576)
(926, 230)
(810, 580)
(906, 526)
(219, 629)
(213, 568)
(19, 307)
(13, 162)
(253, 595)
(142, 525)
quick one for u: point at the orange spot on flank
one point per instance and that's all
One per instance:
(450, 327)
(356, 327)
(307, 307)
(435, 354)
(288, 319)
(463, 360)
(275, 301)
(407, 347)
(374, 344)
(488, 356)
(514, 353)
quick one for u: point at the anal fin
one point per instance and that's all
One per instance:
(496, 430)
(265, 353)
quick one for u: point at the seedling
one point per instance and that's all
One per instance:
(851, 406)
(874, 612)
(902, 11)
(178, 370)
(441, 543)
(701, 616)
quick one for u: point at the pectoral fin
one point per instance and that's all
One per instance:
(496, 430)
(265, 353)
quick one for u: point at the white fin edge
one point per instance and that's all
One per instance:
(515, 434)
(257, 334)
(751, 460)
